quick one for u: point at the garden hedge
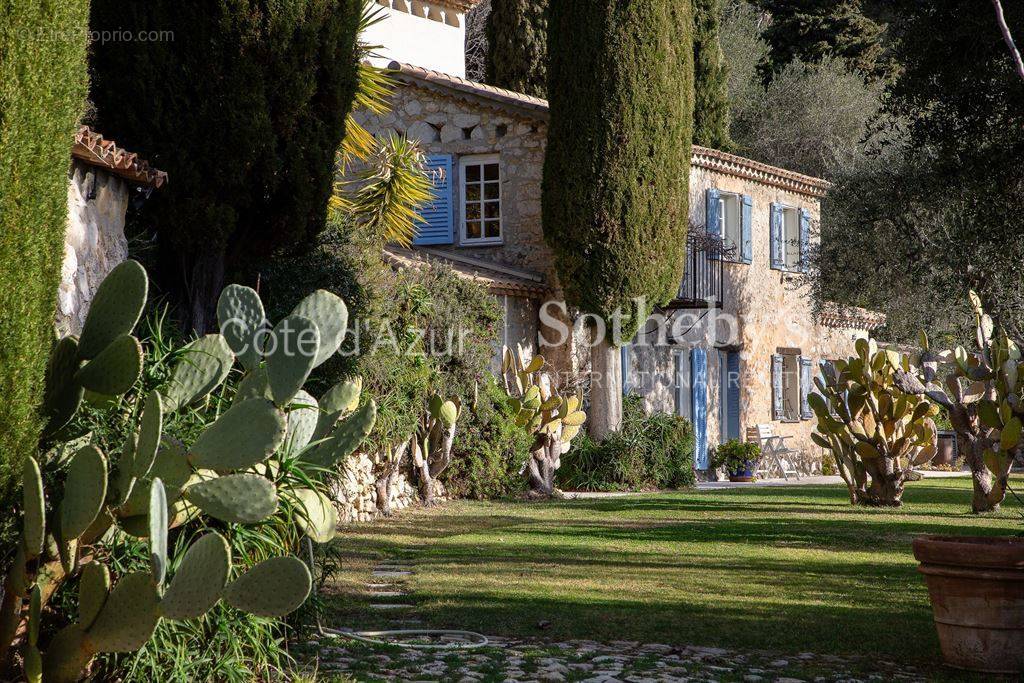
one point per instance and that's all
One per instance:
(43, 84)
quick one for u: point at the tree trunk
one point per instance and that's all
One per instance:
(989, 491)
(605, 414)
(207, 283)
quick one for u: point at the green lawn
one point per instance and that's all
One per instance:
(790, 569)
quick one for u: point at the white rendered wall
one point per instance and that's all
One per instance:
(419, 41)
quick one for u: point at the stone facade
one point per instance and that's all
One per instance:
(765, 312)
(94, 242)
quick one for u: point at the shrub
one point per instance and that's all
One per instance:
(490, 449)
(650, 452)
(735, 455)
(43, 82)
(517, 46)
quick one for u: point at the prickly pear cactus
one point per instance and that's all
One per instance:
(552, 419)
(983, 392)
(875, 431)
(230, 472)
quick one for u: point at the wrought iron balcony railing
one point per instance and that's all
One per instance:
(702, 283)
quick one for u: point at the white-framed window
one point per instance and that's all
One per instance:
(791, 237)
(481, 199)
(729, 223)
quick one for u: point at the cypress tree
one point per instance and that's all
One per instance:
(243, 103)
(711, 78)
(517, 46)
(616, 173)
(43, 84)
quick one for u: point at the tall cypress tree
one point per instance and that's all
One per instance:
(711, 77)
(43, 84)
(616, 172)
(517, 46)
(243, 103)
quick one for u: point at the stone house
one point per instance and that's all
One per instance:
(740, 344)
(102, 180)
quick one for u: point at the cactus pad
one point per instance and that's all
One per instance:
(93, 588)
(125, 478)
(204, 364)
(340, 399)
(67, 655)
(346, 438)
(35, 608)
(291, 353)
(302, 418)
(171, 466)
(241, 317)
(329, 313)
(115, 309)
(98, 528)
(136, 525)
(316, 515)
(273, 588)
(85, 489)
(200, 578)
(114, 370)
(248, 433)
(34, 503)
(253, 385)
(236, 499)
(158, 531)
(62, 396)
(129, 616)
(150, 427)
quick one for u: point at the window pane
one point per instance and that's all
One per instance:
(472, 230)
(491, 172)
(492, 210)
(472, 174)
(493, 229)
(472, 192)
(492, 190)
(472, 212)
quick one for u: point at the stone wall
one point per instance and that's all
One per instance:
(94, 242)
(355, 493)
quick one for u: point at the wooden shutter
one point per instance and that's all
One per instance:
(777, 387)
(805, 388)
(746, 229)
(436, 224)
(778, 245)
(711, 221)
(732, 394)
(805, 239)
(699, 406)
(625, 369)
(682, 385)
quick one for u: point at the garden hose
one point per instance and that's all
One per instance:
(374, 637)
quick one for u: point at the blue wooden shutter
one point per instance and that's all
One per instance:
(747, 230)
(805, 388)
(805, 239)
(776, 387)
(682, 385)
(732, 406)
(625, 370)
(437, 225)
(699, 389)
(778, 246)
(712, 218)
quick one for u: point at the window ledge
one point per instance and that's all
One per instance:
(482, 243)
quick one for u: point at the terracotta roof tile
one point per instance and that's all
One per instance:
(91, 148)
(850, 317)
(537, 108)
(496, 278)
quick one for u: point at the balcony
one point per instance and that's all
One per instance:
(702, 283)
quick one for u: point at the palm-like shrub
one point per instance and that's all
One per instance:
(258, 464)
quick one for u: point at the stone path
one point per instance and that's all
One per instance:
(518, 661)
(506, 660)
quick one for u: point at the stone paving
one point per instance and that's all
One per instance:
(505, 660)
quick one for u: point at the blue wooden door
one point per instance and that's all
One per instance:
(732, 395)
(699, 403)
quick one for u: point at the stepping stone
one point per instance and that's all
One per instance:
(387, 594)
(390, 605)
(387, 573)
(393, 567)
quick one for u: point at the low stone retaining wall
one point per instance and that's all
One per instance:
(355, 494)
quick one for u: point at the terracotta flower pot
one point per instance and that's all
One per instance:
(946, 454)
(976, 585)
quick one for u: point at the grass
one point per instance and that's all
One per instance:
(793, 569)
